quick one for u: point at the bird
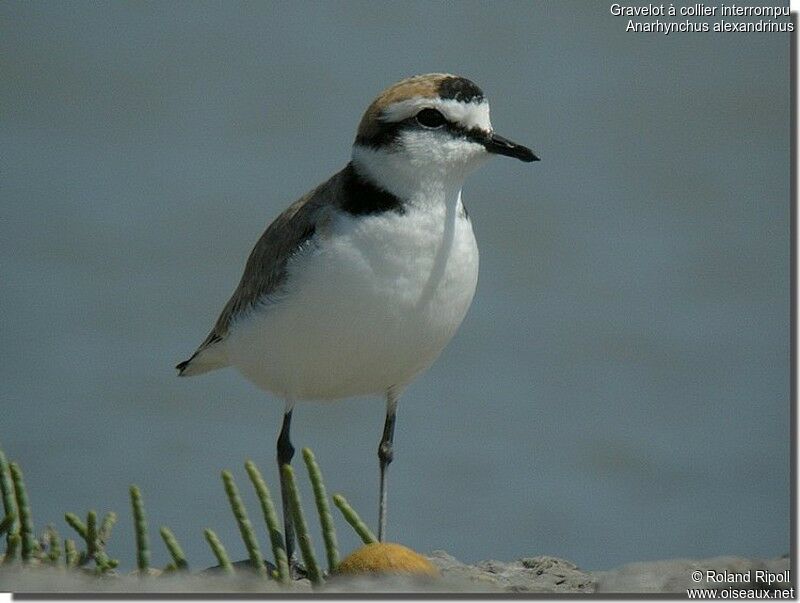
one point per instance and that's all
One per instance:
(357, 287)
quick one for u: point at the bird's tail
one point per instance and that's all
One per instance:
(202, 361)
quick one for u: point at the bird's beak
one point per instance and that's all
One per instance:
(503, 146)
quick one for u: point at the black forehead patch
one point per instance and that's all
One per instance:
(460, 89)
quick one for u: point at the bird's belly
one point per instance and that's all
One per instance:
(366, 309)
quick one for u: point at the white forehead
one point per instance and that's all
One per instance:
(469, 115)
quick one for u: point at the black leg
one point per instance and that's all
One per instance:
(285, 454)
(385, 456)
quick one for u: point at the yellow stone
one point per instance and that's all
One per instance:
(386, 557)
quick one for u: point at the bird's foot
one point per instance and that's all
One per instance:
(297, 570)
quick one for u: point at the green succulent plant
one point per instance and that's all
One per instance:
(16, 524)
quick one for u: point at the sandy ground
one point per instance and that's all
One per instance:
(533, 574)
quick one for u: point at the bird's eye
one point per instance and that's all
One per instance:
(430, 118)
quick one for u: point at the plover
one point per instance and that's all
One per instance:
(358, 286)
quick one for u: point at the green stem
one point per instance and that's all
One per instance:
(13, 545)
(354, 520)
(7, 493)
(219, 551)
(271, 519)
(104, 563)
(245, 527)
(301, 528)
(140, 524)
(25, 520)
(174, 548)
(325, 517)
(53, 545)
(5, 525)
(104, 533)
(91, 534)
(70, 552)
(75, 522)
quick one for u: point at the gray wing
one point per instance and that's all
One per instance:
(265, 270)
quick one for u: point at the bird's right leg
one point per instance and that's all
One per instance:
(385, 456)
(285, 454)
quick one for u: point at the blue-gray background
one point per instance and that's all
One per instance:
(619, 389)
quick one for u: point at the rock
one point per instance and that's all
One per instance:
(533, 574)
(554, 575)
(467, 575)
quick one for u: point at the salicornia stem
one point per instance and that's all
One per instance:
(219, 551)
(325, 517)
(25, 519)
(140, 525)
(174, 548)
(271, 519)
(303, 538)
(353, 519)
(245, 527)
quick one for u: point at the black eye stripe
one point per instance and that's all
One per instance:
(390, 133)
(475, 134)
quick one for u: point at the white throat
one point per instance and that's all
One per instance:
(420, 184)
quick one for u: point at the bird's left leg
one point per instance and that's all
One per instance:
(285, 454)
(385, 456)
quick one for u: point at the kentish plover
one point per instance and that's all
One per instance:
(358, 286)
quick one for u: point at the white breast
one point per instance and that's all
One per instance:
(366, 309)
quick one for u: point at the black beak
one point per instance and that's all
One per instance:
(503, 146)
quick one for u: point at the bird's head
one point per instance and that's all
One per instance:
(429, 126)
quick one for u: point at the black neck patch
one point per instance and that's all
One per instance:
(361, 197)
(460, 89)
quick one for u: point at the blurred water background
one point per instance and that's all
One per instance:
(620, 388)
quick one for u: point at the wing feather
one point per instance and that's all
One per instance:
(265, 270)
